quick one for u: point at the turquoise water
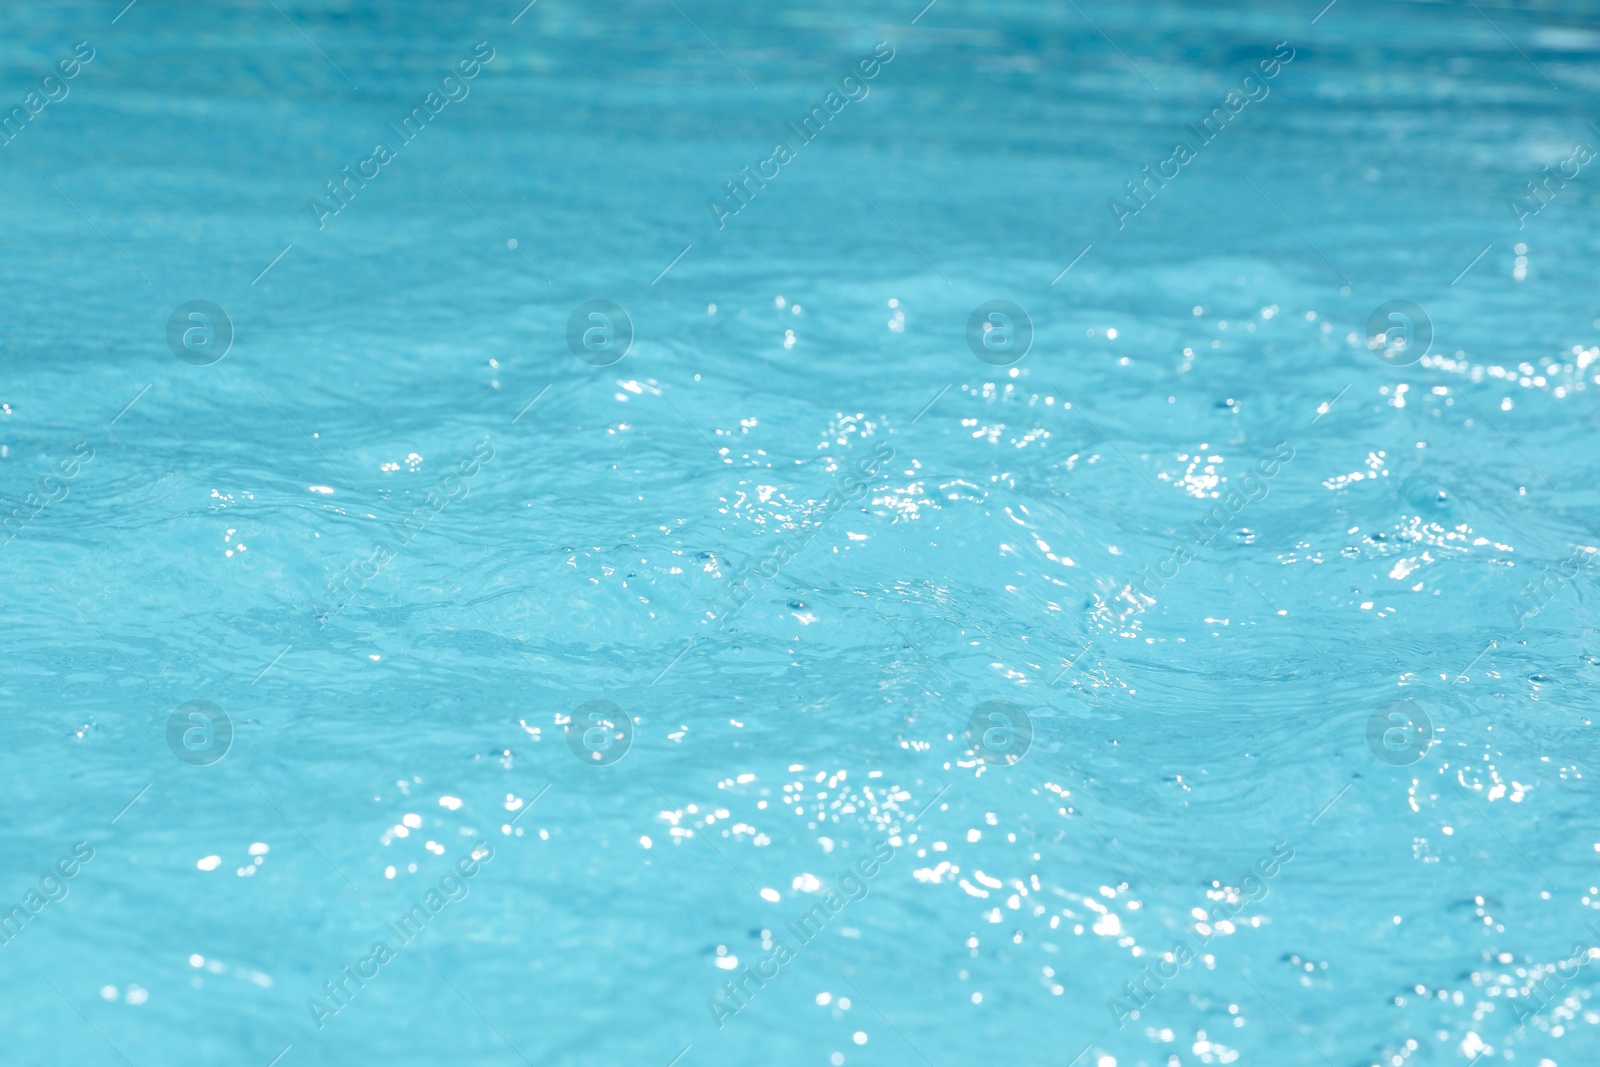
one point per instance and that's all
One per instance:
(994, 533)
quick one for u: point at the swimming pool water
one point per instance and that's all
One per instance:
(689, 533)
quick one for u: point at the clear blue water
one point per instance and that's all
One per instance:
(303, 645)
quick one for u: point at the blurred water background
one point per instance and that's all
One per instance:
(398, 535)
